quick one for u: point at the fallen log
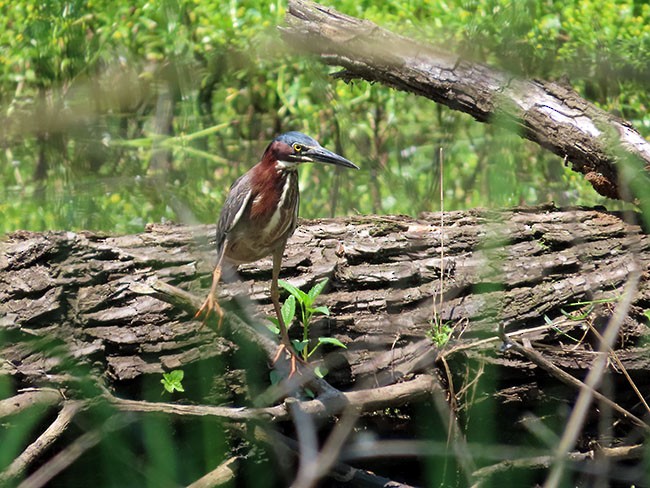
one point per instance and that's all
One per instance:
(531, 270)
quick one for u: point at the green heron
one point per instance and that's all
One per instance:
(261, 213)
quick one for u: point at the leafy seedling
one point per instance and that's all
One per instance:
(440, 332)
(173, 381)
(299, 301)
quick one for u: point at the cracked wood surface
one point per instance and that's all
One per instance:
(82, 293)
(549, 114)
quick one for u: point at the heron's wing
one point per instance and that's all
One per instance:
(234, 207)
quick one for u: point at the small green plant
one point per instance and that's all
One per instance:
(305, 302)
(172, 381)
(440, 332)
(590, 307)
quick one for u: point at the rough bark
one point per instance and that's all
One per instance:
(519, 268)
(548, 113)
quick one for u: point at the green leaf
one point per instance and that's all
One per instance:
(275, 377)
(310, 393)
(274, 327)
(172, 380)
(289, 310)
(317, 289)
(300, 295)
(299, 345)
(322, 309)
(647, 314)
(332, 341)
(320, 371)
(580, 316)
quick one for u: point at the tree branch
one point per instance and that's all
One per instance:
(325, 406)
(44, 441)
(552, 115)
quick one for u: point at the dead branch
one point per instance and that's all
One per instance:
(44, 441)
(219, 476)
(550, 114)
(326, 406)
(28, 398)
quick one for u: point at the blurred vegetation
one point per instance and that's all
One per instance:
(115, 114)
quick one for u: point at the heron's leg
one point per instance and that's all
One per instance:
(275, 296)
(211, 304)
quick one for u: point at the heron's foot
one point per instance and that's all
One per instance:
(210, 305)
(294, 358)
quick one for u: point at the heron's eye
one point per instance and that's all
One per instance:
(297, 147)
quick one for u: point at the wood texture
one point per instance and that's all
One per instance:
(90, 296)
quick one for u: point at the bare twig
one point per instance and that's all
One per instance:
(576, 419)
(541, 462)
(510, 335)
(313, 468)
(623, 369)
(442, 227)
(70, 454)
(339, 471)
(307, 446)
(538, 462)
(365, 400)
(566, 378)
(44, 441)
(28, 398)
(222, 474)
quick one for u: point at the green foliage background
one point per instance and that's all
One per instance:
(115, 114)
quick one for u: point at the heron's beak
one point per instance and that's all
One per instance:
(322, 155)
